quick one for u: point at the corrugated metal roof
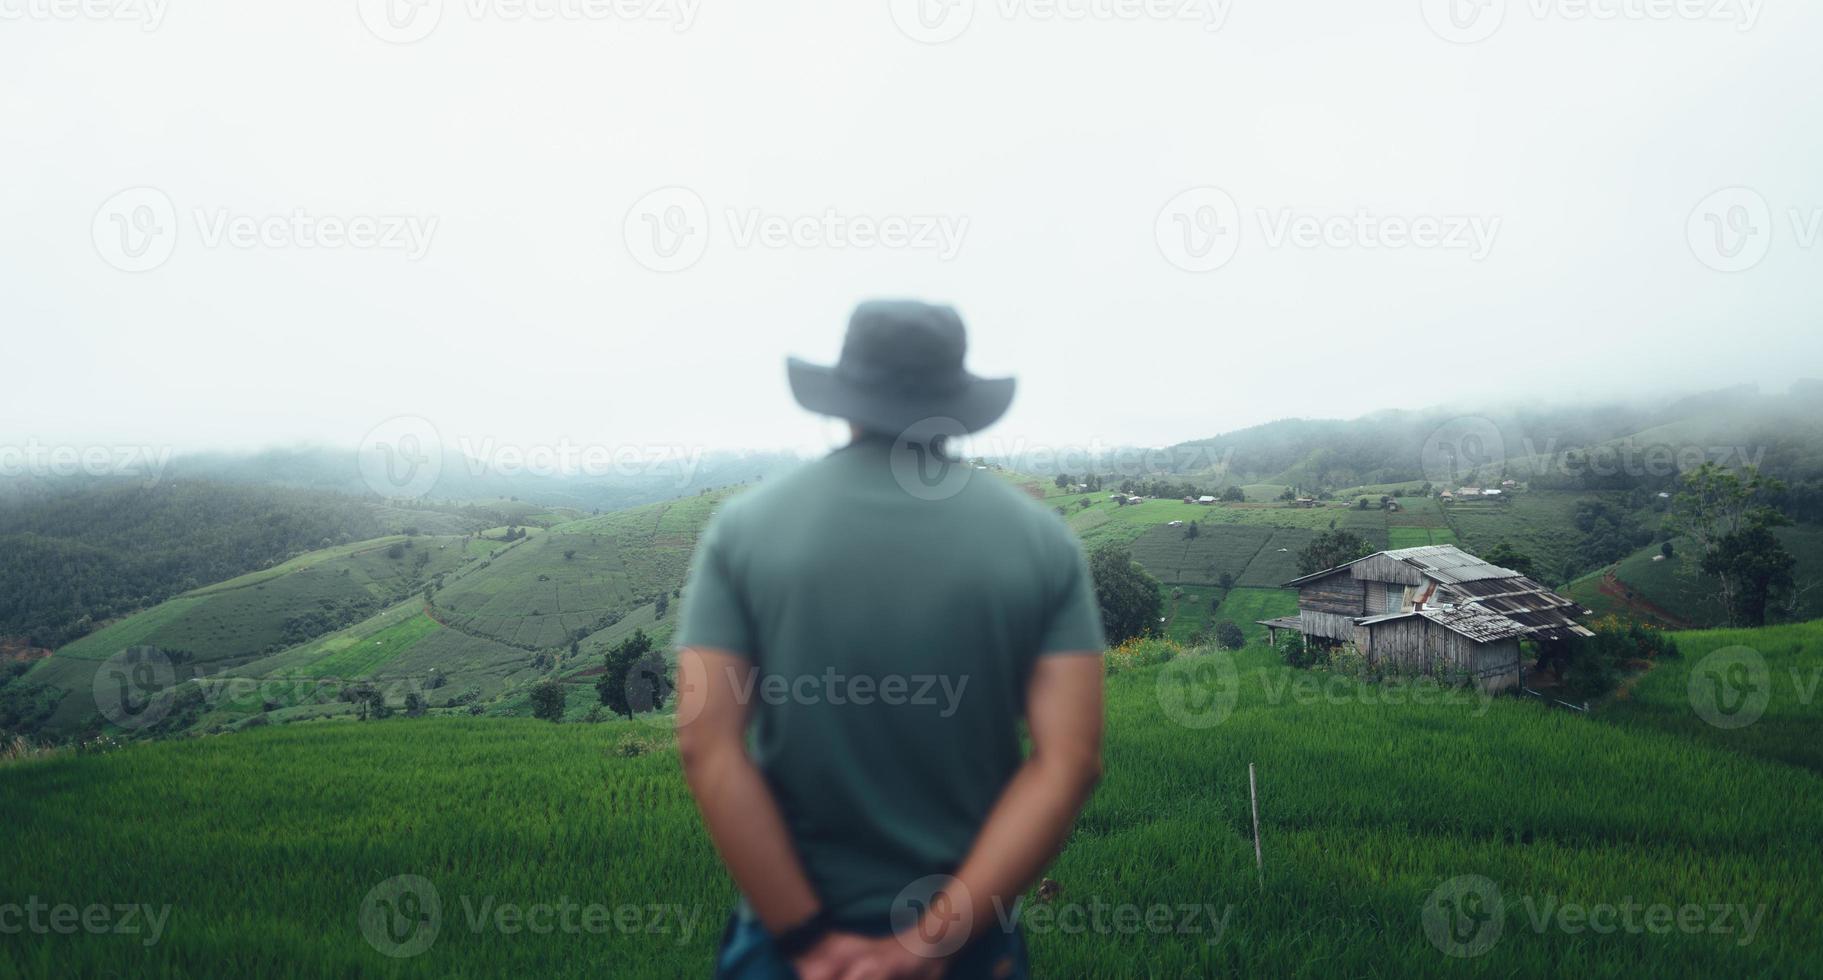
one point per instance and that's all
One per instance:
(1450, 564)
(1485, 602)
(1477, 624)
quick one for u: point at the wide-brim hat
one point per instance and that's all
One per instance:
(901, 374)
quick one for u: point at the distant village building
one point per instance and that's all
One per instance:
(1304, 502)
(1430, 608)
(1205, 500)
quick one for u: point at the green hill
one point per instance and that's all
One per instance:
(1672, 592)
(220, 628)
(1372, 803)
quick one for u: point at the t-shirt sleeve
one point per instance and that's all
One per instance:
(1075, 621)
(715, 613)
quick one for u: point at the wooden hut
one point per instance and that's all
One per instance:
(1429, 608)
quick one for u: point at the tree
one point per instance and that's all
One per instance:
(1129, 597)
(1725, 513)
(547, 700)
(1332, 548)
(1757, 568)
(659, 607)
(1234, 495)
(637, 678)
(1225, 582)
(1063, 480)
(1506, 556)
(1190, 531)
(1228, 635)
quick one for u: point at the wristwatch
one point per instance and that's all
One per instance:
(798, 939)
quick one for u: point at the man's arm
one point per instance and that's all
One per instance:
(1028, 825)
(737, 805)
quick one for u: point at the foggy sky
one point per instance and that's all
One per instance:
(1562, 172)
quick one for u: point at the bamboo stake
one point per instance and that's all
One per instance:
(1253, 790)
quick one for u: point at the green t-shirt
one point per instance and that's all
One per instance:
(893, 622)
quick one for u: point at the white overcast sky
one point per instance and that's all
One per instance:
(1587, 149)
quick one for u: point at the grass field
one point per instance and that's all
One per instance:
(265, 846)
(362, 658)
(1416, 537)
(1247, 606)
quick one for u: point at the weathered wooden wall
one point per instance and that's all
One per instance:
(1339, 593)
(1417, 643)
(1333, 626)
(1379, 568)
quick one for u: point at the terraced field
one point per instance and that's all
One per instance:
(577, 578)
(1373, 806)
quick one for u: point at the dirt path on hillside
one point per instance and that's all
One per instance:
(1612, 587)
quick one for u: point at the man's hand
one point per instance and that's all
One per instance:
(846, 956)
(834, 957)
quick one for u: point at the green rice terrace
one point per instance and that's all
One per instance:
(1635, 841)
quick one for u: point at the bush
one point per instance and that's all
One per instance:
(1296, 652)
(1228, 635)
(1142, 652)
(1349, 661)
(547, 700)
